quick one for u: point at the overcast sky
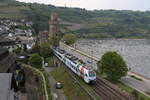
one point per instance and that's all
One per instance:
(99, 4)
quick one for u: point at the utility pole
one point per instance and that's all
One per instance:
(92, 58)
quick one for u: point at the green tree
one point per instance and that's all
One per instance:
(50, 61)
(54, 41)
(135, 93)
(18, 50)
(35, 60)
(36, 48)
(113, 65)
(69, 38)
(45, 49)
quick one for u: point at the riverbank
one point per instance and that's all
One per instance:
(113, 39)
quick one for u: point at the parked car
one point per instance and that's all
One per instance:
(59, 85)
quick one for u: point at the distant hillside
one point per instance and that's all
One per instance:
(12, 9)
(84, 23)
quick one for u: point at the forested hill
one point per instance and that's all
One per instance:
(84, 23)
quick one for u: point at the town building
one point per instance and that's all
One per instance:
(43, 36)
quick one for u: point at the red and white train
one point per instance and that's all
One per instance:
(73, 63)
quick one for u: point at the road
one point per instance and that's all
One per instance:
(57, 94)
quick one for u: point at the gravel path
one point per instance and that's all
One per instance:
(142, 86)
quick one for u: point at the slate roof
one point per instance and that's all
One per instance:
(6, 41)
(5, 84)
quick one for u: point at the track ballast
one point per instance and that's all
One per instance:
(108, 91)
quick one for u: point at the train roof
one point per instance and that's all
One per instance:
(60, 50)
(73, 58)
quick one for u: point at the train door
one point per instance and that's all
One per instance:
(82, 72)
(86, 77)
(64, 60)
(78, 71)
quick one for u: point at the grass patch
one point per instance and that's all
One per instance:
(10, 16)
(47, 85)
(71, 90)
(12, 12)
(3, 4)
(136, 77)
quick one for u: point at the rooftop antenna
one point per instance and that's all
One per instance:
(65, 5)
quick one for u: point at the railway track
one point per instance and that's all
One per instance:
(108, 91)
(103, 89)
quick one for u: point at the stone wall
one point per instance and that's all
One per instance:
(7, 63)
(34, 85)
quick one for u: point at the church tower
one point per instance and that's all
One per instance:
(54, 29)
(54, 25)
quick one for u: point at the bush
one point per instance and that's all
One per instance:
(135, 93)
(50, 61)
(42, 49)
(35, 60)
(54, 41)
(113, 65)
(141, 98)
(36, 48)
(69, 39)
(45, 49)
(18, 50)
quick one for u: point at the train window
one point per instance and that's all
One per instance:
(64, 59)
(86, 75)
(59, 56)
(68, 62)
(91, 73)
(74, 62)
(76, 69)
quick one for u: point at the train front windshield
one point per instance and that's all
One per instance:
(91, 74)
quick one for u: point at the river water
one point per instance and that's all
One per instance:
(136, 53)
